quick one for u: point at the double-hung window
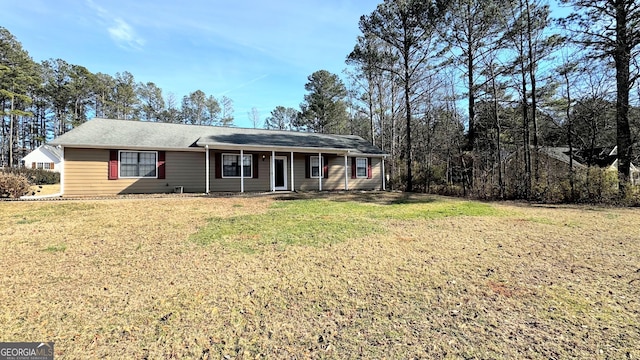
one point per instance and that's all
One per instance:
(315, 163)
(231, 165)
(138, 164)
(361, 168)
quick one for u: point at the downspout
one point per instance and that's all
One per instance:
(207, 167)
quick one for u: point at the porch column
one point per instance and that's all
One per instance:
(384, 179)
(241, 171)
(346, 173)
(321, 165)
(206, 167)
(293, 188)
(273, 170)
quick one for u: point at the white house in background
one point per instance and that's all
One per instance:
(45, 157)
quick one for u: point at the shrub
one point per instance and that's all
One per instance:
(37, 176)
(13, 185)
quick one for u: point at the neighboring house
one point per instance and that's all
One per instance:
(45, 157)
(107, 157)
(555, 160)
(612, 164)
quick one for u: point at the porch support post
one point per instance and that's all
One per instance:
(384, 179)
(321, 165)
(206, 167)
(346, 173)
(273, 170)
(241, 171)
(293, 188)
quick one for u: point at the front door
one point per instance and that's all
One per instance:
(280, 169)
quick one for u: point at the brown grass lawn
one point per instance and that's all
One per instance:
(42, 190)
(384, 276)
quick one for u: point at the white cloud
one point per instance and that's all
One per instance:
(120, 31)
(124, 35)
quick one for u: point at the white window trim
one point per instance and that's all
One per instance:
(320, 172)
(246, 176)
(366, 168)
(120, 176)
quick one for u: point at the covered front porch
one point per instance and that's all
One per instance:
(248, 169)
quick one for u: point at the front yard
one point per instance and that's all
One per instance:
(375, 275)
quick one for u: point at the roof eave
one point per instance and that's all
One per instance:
(219, 146)
(128, 147)
(300, 149)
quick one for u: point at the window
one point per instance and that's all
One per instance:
(314, 166)
(361, 168)
(138, 164)
(231, 167)
(44, 165)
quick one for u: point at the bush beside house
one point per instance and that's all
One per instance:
(13, 185)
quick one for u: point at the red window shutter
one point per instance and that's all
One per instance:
(255, 166)
(113, 165)
(369, 172)
(353, 168)
(218, 165)
(325, 168)
(33, 165)
(51, 167)
(307, 166)
(161, 165)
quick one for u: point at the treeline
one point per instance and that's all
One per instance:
(39, 101)
(467, 95)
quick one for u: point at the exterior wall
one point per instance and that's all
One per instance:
(233, 184)
(335, 180)
(86, 174)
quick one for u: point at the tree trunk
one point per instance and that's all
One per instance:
(11, 125)
(622, 60)
(407, 103)
(532, 80)
(570, 139)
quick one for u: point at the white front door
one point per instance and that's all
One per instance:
(280, 172)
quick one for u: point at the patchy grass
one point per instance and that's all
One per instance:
(319, 222)
(56, 248)
(320, 276)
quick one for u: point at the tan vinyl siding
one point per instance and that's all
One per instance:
(374, 183)
(336, 178)
(262, 183)
(86, 174)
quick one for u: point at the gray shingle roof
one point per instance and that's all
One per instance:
(54, 151)
(127, 134)
(561, 154)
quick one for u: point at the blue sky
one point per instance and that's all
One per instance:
(258, 53)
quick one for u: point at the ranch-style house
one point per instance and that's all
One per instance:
(109, 157)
